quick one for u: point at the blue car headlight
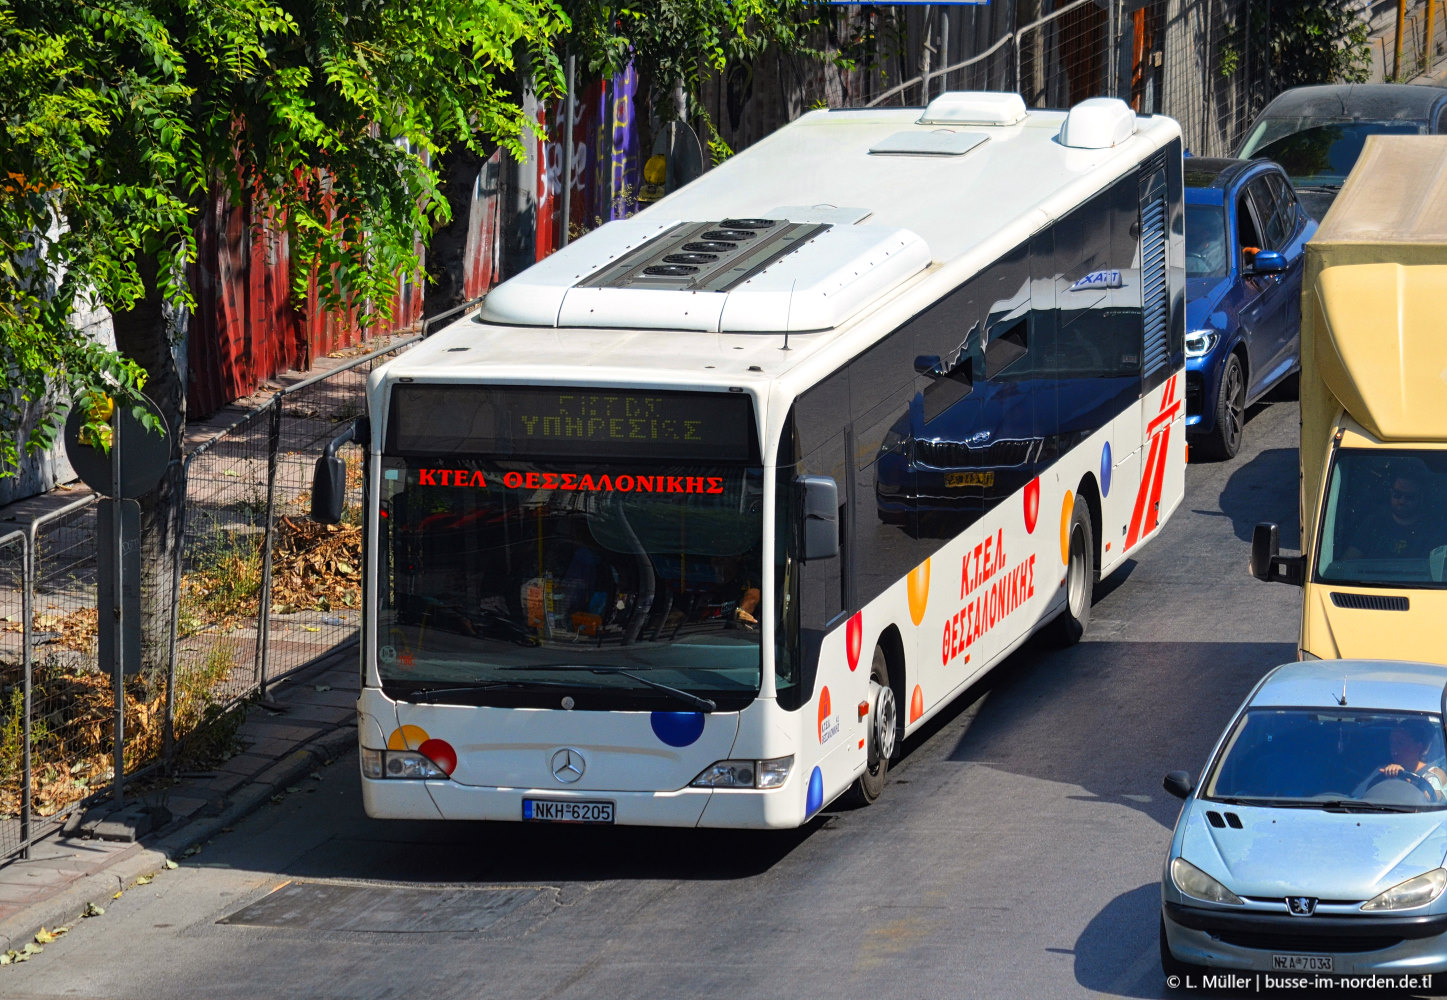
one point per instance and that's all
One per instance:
(1417, 891)
(1194, 882)
(1200, 342)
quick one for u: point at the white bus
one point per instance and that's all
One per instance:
(705, 513)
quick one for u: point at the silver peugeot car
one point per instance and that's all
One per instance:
(1315, 841)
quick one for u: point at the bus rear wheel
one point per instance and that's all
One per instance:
(883, 733)
(1079, 578)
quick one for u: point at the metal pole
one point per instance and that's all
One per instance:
(27, 610)
(1429, 52)
(1112, 38)
(118, 779)
(168, 724)
(263, 614)
(944, 48)
(1401, 27)
(568, 153)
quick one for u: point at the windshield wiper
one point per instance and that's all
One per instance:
(697, 701)
(1318, 187)
(1357, 805)
(429, 695)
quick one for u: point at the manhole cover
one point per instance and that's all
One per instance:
(322, 906)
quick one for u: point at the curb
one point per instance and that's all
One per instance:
(67, 906)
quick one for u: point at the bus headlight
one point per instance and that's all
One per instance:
(745, 773)
(1199, 342)
(405, 764)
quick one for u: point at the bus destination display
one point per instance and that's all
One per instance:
(526, 422)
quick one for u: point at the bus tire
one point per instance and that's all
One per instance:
(1073, 619)
(883, 734)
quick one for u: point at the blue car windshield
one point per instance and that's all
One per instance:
(1301, 756)
(1205, 242)
(1315, 153)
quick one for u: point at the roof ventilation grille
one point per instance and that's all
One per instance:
(705, 256)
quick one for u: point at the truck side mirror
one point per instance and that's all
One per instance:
(820, 496)
(329, 482)
(1267, 564)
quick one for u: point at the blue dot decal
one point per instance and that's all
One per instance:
(1105, 465)
(677, 729)
(815, 797)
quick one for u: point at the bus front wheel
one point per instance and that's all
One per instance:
(883, 733)
(1079, 578)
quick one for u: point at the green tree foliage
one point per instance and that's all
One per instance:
(677, 43)
(118, 118)
(1314, 41)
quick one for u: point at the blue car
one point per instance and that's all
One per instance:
(1245, 234)
(1315, 842)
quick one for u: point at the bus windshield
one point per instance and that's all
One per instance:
(615, 584)
(1384, 523)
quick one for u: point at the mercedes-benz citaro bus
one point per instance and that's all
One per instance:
(704, 514)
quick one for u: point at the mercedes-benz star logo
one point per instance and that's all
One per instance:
(568, 765)
(1301, 906)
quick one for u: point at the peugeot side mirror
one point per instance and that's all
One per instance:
(820, 496)
(1179, 784)
(1268, 262)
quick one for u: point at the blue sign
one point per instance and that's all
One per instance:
(1098, 279)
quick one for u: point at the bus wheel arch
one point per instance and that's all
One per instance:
(892, 644)
(1090, 491)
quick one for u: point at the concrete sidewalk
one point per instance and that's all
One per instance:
(308, 720)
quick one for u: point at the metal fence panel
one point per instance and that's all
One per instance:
(14, 696)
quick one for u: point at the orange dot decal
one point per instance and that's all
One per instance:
(918, 586)
(1066, 509)
(916, 704)
(824, 712)
(407, 738)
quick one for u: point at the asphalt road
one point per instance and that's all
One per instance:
(1016, 852)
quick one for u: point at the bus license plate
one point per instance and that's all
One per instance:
(1302, 963)
(969, 479)
(552, 811)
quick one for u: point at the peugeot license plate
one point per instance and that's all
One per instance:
(570, 811)
(969, 479)
(1302, 963)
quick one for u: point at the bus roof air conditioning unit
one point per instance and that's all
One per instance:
(974, 107)
(737, 275)
(1098, 123)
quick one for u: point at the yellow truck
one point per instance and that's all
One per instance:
(1373, 500)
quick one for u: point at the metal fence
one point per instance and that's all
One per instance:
(258, 591)
(1206, 63)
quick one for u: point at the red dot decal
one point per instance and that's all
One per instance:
(1032, 504)
(440, 752)
(916, 704)
(853, 637)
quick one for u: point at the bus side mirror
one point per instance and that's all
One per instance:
(1267, 564)
(329, 490)
(820, 496)
(329, 482)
